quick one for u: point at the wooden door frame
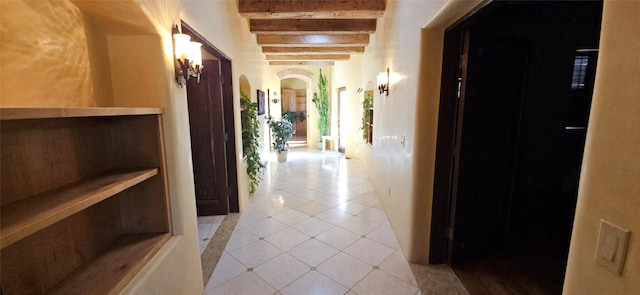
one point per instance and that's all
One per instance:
(443, 205)
(229, 112)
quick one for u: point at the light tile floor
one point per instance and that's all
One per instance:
(315, 226)
(207, 226)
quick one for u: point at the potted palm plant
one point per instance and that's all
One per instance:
(282, 131)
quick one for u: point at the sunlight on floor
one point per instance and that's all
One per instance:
(314, 226)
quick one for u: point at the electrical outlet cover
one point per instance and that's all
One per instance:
(613, 242)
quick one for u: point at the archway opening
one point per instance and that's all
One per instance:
(294, 108)
(295, 97)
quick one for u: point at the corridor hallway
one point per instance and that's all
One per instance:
(315, 226)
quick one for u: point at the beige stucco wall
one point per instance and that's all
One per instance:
(46, 59)
(348, 74)
(293, 83)
(610, 181)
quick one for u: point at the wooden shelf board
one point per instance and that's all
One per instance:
(112, 270)
(47, 113)
(30, 215)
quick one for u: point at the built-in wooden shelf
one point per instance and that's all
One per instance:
(108, 272)
(84, 201)
(27, 216)
(44, 113)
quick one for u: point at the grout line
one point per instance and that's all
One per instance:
(350, 198)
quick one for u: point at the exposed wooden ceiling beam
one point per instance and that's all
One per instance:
(302, 26)
(309, 57)
(311, 8)
(273, 50)
(301, 63)
(313, 40)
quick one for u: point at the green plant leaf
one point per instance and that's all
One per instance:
(250, 140)
(366, 116)
(282, 131)
(322, 105)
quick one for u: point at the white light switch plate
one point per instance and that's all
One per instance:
(613, 242)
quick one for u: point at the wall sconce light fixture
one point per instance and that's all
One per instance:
(187, 57)
(383, 82)
(275, 98)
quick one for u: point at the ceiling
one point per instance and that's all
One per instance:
(311, 32)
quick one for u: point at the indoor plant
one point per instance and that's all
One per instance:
(282, 131)
(366, 115)
(321, 102)
(292, 117)
(250, 140)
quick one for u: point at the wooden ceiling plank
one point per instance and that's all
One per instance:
(313, 39)
(309, 57)
(301, 63)
(273, 50)
(312, 9)
(303, 26)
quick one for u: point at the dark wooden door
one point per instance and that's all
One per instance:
(491, 84)
(206, 120)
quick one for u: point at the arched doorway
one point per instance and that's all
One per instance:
(295, 97)
(294, 107)
(245, 86)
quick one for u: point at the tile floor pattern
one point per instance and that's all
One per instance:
(207, 226)
(315, 226)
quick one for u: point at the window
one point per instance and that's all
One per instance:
(579, 71)
(581, 68)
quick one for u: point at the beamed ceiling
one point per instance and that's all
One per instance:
(311, 32)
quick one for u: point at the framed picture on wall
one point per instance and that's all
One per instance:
(261, 109)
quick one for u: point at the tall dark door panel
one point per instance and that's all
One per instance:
(492, 75)
(206, 119)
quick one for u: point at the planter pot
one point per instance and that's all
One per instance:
(282, 156)
(319, 145)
